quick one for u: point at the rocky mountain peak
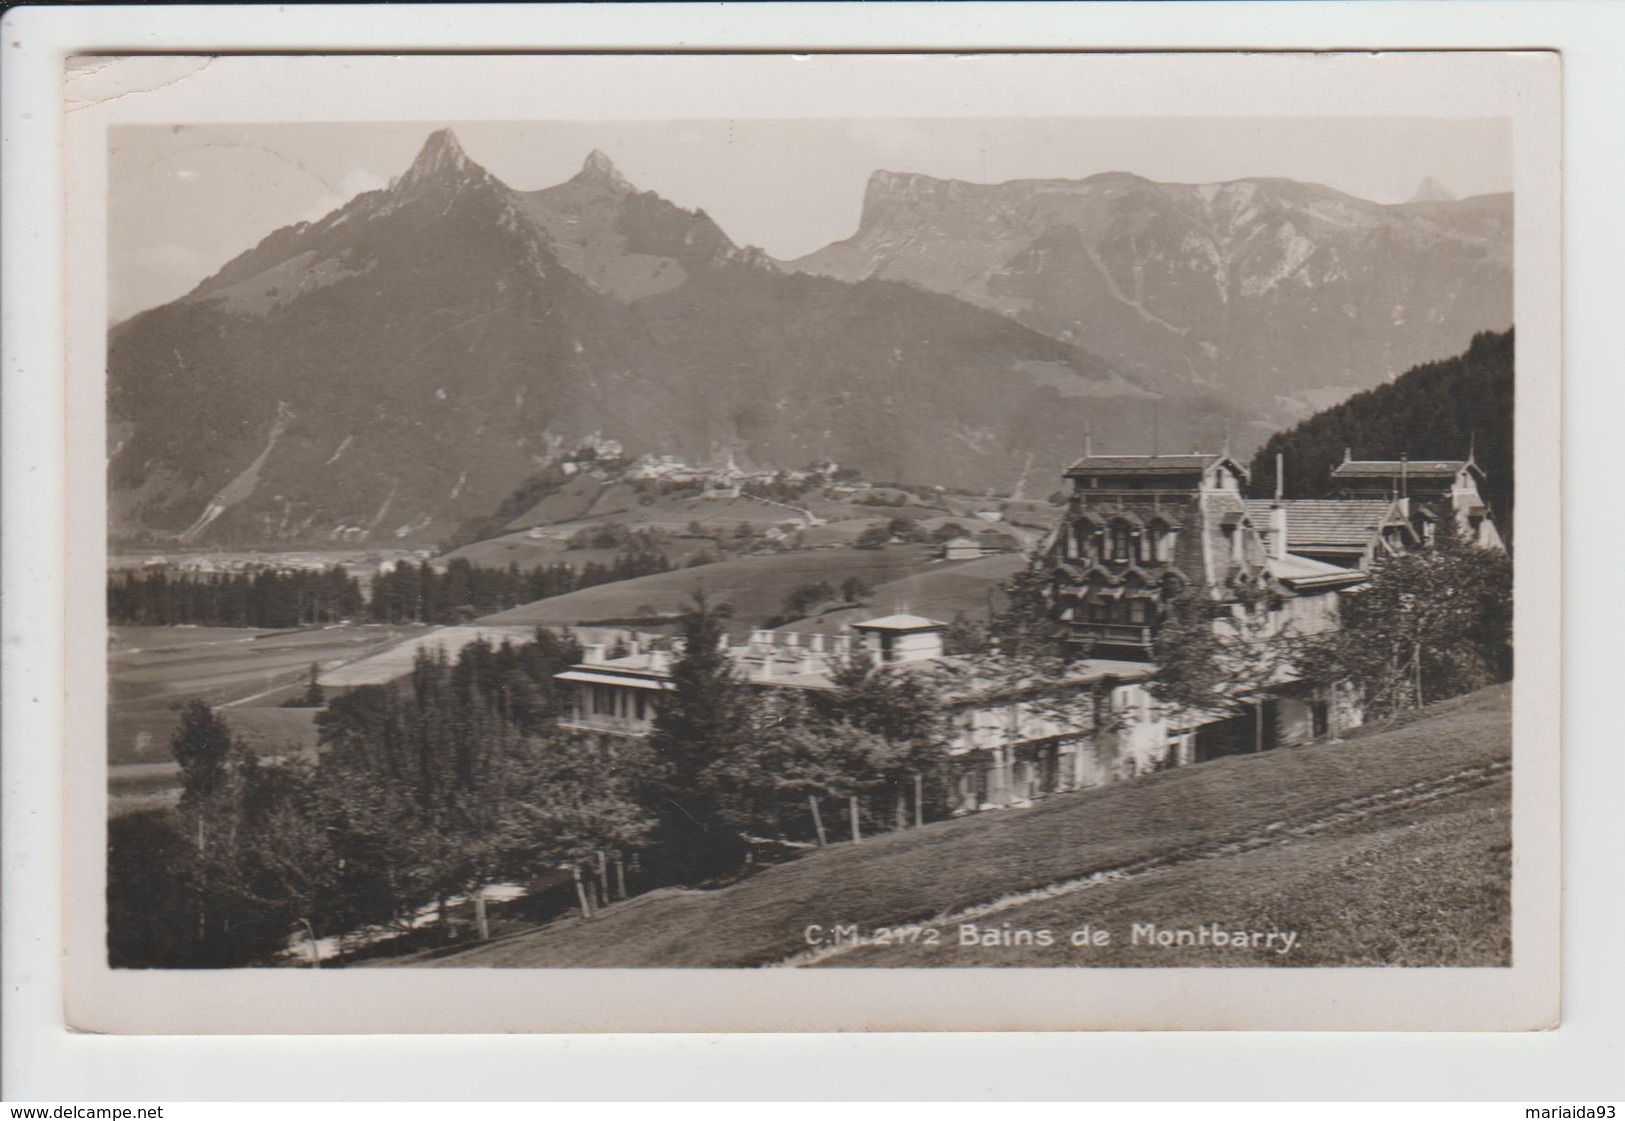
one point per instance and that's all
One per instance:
(441, 160)
(599, 168)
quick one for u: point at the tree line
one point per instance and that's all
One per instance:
(264, 598)
(421, 593)
(1438, 410)
(407, 593)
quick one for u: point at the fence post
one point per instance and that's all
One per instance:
(818, 820)
(581, 892)
(852, 811)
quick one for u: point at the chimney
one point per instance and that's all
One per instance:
(791, 639)
(592, 653)
(815, 643)
(659, 661)
(634, 647)
(761, 637)
(1277, 534)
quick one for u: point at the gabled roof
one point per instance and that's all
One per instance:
(899, 622)
(1301, 572)
(1313, 521)
(599, 675)
(1394, 468)
(1152, 464)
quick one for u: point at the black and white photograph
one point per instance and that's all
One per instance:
(1078, 544)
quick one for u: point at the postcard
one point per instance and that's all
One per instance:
(765, 542)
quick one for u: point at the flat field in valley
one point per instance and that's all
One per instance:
(154, 671)
(754, 586)
(1391, 847)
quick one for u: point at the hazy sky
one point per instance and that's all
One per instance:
(183, 200)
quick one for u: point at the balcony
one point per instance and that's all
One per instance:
(606, 725)
(1111, 634)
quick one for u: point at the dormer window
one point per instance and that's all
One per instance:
(1088, 539)
(1159, 542)
(1121, 541)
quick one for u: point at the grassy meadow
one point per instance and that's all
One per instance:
(754, 586)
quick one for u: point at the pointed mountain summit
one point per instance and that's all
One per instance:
(599, 168)
(441, 162)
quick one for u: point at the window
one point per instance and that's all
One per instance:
(641, 706)
(1137, 612)
(603, 700)
(1088, 538)
(1100, 612)
(1162, 543)
(1122, 545)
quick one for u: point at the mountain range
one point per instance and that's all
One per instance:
(1276, 293)
(397, 367)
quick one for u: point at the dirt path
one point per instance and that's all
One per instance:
(1347, 812)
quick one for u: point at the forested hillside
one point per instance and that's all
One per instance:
(1439, 410)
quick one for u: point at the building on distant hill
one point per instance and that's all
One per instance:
(962, 548)
(988, 543)
(1436, 488)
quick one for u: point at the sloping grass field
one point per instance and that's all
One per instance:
(944, 591)
(754, 586)
(1390, 847)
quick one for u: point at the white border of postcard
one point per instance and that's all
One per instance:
(1522, 86)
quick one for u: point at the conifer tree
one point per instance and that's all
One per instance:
(701, 753)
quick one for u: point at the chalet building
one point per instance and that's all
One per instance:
(1141, 530)
(1013, 745)
(1436, 489)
